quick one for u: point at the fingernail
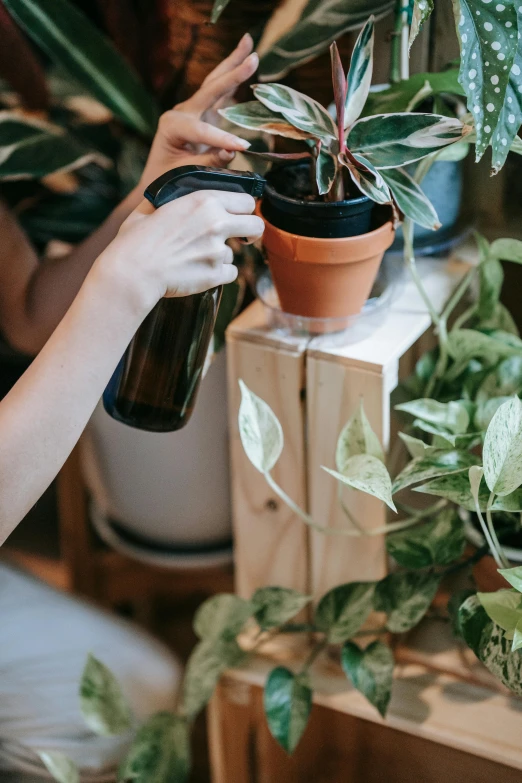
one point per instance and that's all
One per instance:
(243, 142)
(253, 59)
(226, 154)
(246, 37)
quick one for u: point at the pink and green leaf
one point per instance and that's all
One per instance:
(410, 198)
(254, 116)
(360, 74)
(367, 178)
(340, 87)
(325, 171)
(394, 140)
(299, 110)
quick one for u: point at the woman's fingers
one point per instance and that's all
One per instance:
(214, 90)
(250, 227)
(178, 127)
(240, 53)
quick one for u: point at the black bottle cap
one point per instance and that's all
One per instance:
(186, 179)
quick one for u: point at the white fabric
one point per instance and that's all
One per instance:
(44, 641)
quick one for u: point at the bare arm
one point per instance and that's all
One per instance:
(178, 250)
(35, 296)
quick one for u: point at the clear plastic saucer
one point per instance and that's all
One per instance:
(344, 330)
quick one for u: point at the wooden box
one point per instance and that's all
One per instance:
(313, 386)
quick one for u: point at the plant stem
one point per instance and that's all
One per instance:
(487, 535)
(466, 315)
(319, 647)
(307, 519)
(458, 294)
(409, 259)
(297, 628)
(492, 531)
(348, 514)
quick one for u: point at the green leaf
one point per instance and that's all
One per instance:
(443, 438)
(160, 752)
(452, 416)
(325, 171)
(360, 74)
(405, 597)
(260, 431)
(222, 616)
(502, 453)
(456, 488)
(276, 605)
(491, 276)
(438, 542)
(513, 576)
(416, 447)
(31, 149)
(208, 661)
(103, 705)
(501, 320)
(217, 9)
(434, 464)
(371, 671)
(421, 11)
(357, 437)
(343, 610)
(490, 645)
(287, 703)
(507, 250)
(466, 344)
(517, 637)
(320, 23)
(367, 474)
(486, 411)
(403, 96)
(410, 198)
(455, 602)
(503, 381)
(394, 140)
(60, 767)
(368, 179)
(298, 109)
(486, 56)
(71, 40)
(510, 115)
(254, 116)
(503, 607)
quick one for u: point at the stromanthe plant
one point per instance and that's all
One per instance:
(372, 150)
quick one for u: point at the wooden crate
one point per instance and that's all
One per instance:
(439, 729)
(314, 386)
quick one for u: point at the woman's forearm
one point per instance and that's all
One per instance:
(42, 417)
(35, 296)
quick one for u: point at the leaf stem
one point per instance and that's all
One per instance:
(491, 528)
(459, 293)
(465, 316)
(307, 519)
(487, 535)
(317, 649)
(348, 514)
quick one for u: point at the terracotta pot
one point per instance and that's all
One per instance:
(323, 277)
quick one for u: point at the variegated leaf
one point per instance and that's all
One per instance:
(507, 250)
(325, 171)
(254, 116)
(298, 109)
(360, 74)
(357, 437)
(160, 751)
(421, 11)
(321, 22)
(452, 416)
(410, 198)
(287, 702)
(456, 488)
(371, 671)
(488, 40)
(510, 115)
(502, 451)
(393, 140)
(367, 178)
(433, 465)
(60, 767)
(217, 9)
(503, 607)
(260, 431)
(367, 474)
(30, 149)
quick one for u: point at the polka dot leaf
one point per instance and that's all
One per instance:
(487, 32)
(511, 113)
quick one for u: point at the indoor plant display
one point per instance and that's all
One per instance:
(323, 239)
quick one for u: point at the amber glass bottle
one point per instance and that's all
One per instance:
(155, 384)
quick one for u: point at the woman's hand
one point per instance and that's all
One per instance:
(180, 248)
(182, 133)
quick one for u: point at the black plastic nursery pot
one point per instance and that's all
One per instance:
(323, 256)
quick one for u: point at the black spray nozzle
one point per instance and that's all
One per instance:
(186, 179)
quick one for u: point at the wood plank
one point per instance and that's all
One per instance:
(334, 394)
(271, 542)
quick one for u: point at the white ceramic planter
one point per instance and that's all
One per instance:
(171, 489)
